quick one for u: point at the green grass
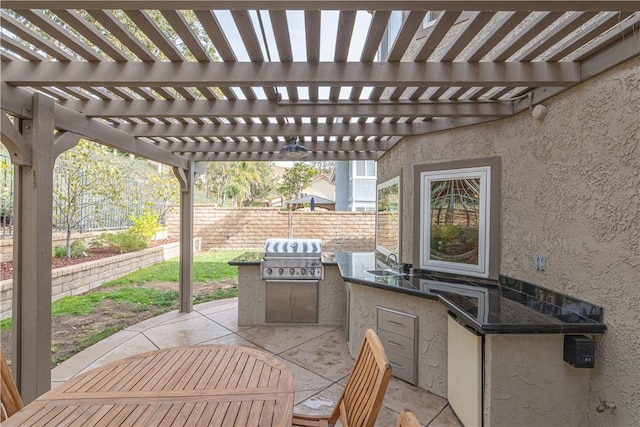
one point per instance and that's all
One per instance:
(207, 267)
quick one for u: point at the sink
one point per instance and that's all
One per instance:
(385, 272)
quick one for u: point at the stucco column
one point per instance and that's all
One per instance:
(33, 181)
(186, 177)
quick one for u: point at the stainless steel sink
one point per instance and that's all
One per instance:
(384, 273)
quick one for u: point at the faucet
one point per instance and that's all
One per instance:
(395, 256)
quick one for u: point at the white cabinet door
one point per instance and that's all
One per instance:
(464, 373)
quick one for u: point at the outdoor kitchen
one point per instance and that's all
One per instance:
(292, 281)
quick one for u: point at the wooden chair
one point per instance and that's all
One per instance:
(408, 419)
(11, 400)
(362, 397)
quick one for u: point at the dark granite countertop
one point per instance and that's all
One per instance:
(486, 306)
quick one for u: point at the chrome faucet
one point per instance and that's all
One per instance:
(395, 256)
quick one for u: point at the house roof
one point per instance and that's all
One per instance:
(192, 80)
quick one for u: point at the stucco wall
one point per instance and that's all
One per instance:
(570, 191)
(432, 330)
(252, 297)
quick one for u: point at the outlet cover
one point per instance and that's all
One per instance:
(540, 262)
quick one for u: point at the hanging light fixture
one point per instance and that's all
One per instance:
(294, 150)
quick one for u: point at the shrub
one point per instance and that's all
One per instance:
(60, 251)
(77, 248)
(123, 242)
(129, 242)
(146, 225)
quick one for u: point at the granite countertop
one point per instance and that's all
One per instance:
(486, 306)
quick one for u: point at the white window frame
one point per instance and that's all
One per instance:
(363, 162)
(481, 269)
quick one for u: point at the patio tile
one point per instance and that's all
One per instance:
(304, 379)
(154, 321)
(71, 367)
(187, 332)
(277, 339)
(136, 345)
(400, 395)
(326, 355)
(227, 318)
(387, 417)
(232, 339)
(217, 306)
(446, 418)
(321, 403)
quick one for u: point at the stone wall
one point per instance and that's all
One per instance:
(247, 228)
(570, 192)
(80, 278)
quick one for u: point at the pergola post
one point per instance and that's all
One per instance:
(31, 353)
(186, 177)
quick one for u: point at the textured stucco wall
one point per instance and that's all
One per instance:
(432, 330)
(252, 297)
(528, 383)
(570, 191)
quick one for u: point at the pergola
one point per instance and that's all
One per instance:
(186, 81)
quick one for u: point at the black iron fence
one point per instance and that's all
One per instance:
(104, 215)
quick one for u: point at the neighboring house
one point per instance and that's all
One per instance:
(355, 185)
(321, 186)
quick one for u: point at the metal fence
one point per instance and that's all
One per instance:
(106, 215)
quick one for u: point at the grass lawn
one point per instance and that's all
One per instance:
(82, 320)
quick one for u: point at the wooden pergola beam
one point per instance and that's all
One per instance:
(249, 74)
(17, 102)
(264, 108)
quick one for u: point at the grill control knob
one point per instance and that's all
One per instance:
(303, 271)
(292, 271)
(280, 271)
(312, 272)
(269, 271)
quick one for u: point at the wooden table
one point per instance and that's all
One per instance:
(184, 386)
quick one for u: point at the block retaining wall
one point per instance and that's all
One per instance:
(80, 278)
(247, 228)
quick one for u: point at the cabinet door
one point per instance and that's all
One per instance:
(464, 373)
(304, 302)
(278, 302)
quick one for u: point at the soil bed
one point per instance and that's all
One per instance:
(6, 268)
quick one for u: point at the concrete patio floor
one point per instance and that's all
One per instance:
(316, 355)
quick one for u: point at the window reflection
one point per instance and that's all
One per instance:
(455, 215)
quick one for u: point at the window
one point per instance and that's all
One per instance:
(365, 168)
(458, 218)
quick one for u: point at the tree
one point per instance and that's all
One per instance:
(295, 179)
(85, 179)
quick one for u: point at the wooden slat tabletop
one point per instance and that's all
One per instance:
(185, 386)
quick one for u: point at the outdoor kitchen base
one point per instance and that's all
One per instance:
(252, 297)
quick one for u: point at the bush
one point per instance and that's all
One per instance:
(77, 248)
(60, 251)
(123, 242)
(146, 225)
(129, 242)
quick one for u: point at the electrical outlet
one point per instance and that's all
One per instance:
(540, 262)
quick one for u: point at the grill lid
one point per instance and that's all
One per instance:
(292, 246)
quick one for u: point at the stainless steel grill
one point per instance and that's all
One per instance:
(292, 259)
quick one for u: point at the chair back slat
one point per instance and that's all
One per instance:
(362, 397)
(11, 400)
